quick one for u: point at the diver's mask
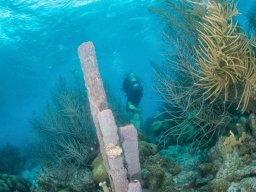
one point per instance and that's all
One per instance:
(134, 82)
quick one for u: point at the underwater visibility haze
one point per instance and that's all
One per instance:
(181, 72)
(39, 41)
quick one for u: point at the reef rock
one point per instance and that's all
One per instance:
(52, 180)
(158, 172)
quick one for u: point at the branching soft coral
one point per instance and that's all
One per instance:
(213, 64)
(65, 128)
(226, 62)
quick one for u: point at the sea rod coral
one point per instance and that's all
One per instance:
(213, 66)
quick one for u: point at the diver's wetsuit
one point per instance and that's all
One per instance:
(133, 89)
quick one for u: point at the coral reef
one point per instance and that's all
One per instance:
(11, 183)
(230, 143)
(209, 102)
(182, 155)
(146, 149)
(209, 105)
(228, 165)
(67, 140)
(52, 180)
(225, 59)
(252, 123)
(214, 67)
(12, 161)
(232, 164)
(158, 172)
(99, 172)
(65, 129)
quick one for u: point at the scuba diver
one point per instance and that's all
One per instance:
(134, 92)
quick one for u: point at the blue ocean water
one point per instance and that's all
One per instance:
(39, 41)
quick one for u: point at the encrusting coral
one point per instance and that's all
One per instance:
(230, 142)
(252, 123)
(158, 173)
